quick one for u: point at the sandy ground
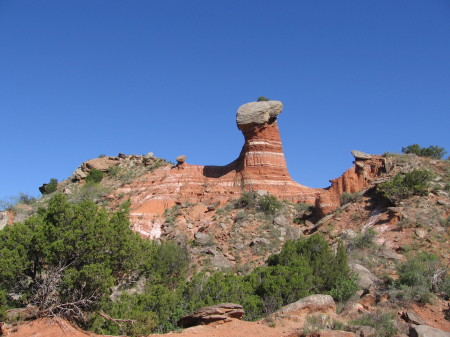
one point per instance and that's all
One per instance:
(47, 327)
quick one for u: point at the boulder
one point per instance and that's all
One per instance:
(202, 238)
(366, 277)
(281, 221)
(214, 313)
(364, 330)
(220, 262)
(426, 331)
(102, 164)
(181, 159)
(257, 112)
(413, 318)
(259, 241)
(308, 305)
(352, 310)
(360, 155)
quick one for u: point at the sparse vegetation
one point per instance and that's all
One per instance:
(318, 322)
(362, 240)
(434, 152)
(402, 186)
(171, 214)
(263, 99)
(382, 322)
(421, 277)
(10, 203)
(349, 197)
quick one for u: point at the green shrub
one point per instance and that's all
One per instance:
(3, 305)
(331, 271)
(421, 276)
(269, 204)
(402, 186)
(382, 322)
(95, 176)
(263, 99)
(49, 187)
(434, 152)
(247, 200)
(362, 240)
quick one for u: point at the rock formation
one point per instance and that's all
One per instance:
(214, 313)
(260, 166)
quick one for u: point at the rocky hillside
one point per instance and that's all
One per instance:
(390, 211)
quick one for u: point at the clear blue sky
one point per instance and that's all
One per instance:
(88, 77)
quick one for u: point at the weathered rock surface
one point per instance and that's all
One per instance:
(309, 304)
(214, 313)
(102, 164)
(3, 219)
(427, 331)
(257, 112)
(411, 317)
(366, 277)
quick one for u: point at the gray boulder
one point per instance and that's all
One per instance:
(220, 262)
(257, 112)
(309, 304)
(259, 241)
(360, 155)
(366, 277)
(426, 331)
(281, 221)
(202, 238)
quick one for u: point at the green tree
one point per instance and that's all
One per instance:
(403, 186)
(432, 151)
(65, 258)
(329, 270)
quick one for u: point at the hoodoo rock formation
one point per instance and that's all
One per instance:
(260, 166)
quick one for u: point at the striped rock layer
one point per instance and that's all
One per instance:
(261, 166)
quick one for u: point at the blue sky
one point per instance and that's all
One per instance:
(83, 78)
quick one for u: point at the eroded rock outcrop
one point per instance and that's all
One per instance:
(260, 166)
(219, 312)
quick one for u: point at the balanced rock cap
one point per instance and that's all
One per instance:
(181, 159)
(257, 112)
